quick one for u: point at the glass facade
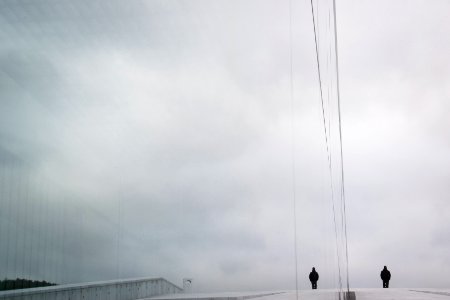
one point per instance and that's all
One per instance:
(159, 139)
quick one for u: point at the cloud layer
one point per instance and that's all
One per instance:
(153, 138)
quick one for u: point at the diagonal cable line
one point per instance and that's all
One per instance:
(340, 136)
(327, 138)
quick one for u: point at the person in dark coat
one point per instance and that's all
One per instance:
(385, 276)
(314, 277)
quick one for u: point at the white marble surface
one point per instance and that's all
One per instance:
(393, 294)
(361, 294)
(222, 295)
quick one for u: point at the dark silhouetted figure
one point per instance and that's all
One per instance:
(314, 277)
(385, 276)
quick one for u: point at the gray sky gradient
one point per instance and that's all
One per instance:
(153, 138)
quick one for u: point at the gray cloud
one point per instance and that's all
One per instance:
(154, 139)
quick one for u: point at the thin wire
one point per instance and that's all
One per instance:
(82, 217)
(26, 226)
(33, 206)
(61, 238)
(40, 267)
(18, 220)
(8, 230)
(294, 196)
(64, 242)
(326, 140)
(320, 83)
(340, 137)
(2, 207)
(119, 236)
(47, 230)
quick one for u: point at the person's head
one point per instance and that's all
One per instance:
(314, 269)
(385, 267)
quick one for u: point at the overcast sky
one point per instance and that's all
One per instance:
(154, 138)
